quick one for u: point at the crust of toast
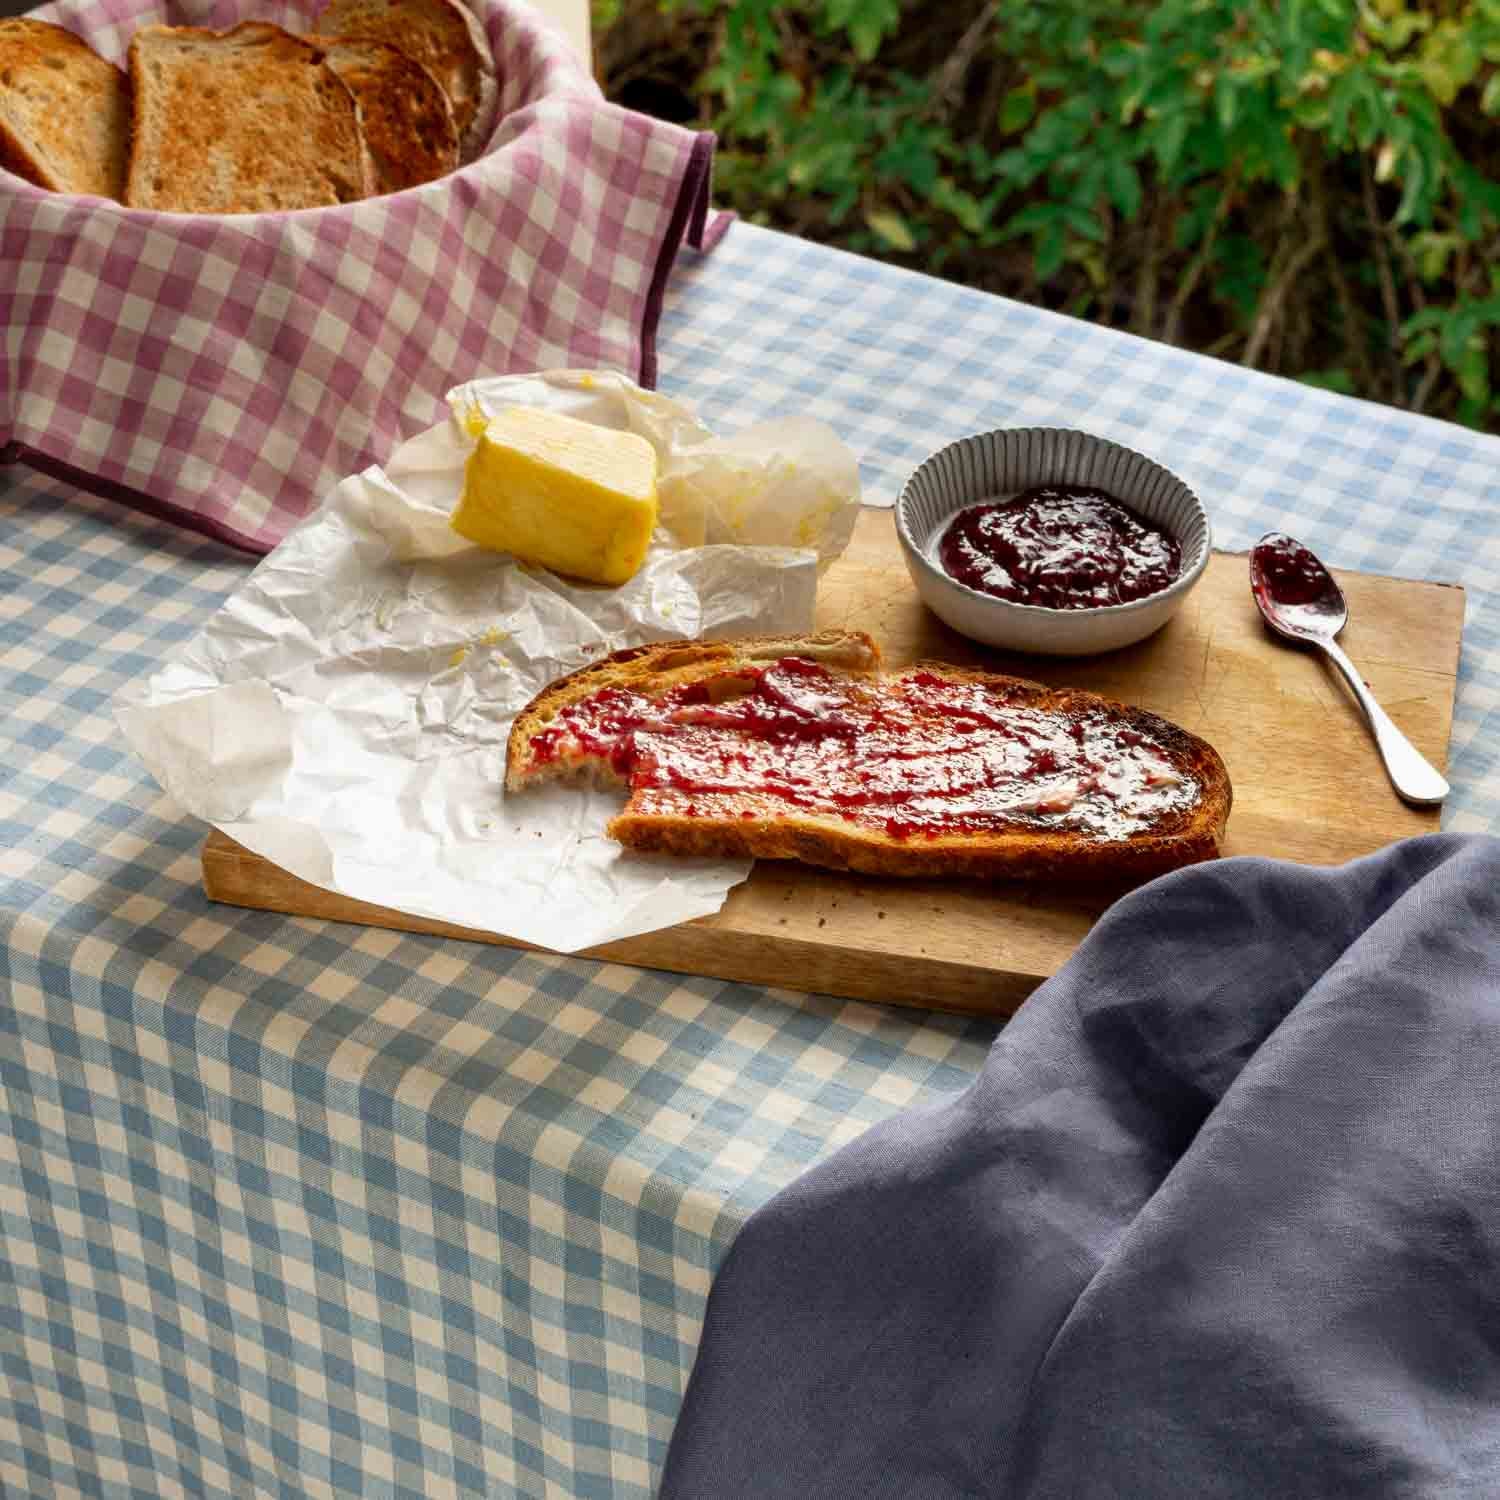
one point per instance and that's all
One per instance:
(404, 115)
(745, 826)
(447, 39)
(248, 120)
(64, 111)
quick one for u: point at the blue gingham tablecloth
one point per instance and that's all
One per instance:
(298, 1209)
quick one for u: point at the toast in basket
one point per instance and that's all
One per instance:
(445, 37)
(800, 747)
(241, 121)
(64, 111)
(404, 115)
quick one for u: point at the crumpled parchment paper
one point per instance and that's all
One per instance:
(345, 713)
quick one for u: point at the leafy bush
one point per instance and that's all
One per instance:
(1307, 186)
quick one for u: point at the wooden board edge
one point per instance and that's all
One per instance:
(236, 876)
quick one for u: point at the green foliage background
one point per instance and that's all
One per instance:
(1307, 186)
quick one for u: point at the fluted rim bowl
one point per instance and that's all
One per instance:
(996, 465)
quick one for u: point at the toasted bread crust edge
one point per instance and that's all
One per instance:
(1067, 856)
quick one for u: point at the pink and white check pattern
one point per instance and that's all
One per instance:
(227, 371)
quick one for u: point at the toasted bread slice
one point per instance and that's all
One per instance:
(800, 748)
(242, 121)
(405, 115)
(64, 111)
(447, 39)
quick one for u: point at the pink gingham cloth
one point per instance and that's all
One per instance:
(226, 371)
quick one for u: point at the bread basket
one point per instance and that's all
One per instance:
(226, 371)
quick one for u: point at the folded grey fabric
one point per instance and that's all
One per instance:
(1219, 1218)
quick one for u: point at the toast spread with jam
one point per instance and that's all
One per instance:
(800, 747)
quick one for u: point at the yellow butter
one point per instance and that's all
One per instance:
(565, 494)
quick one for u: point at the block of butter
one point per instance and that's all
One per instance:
(569, 495)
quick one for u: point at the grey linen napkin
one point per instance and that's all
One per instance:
(1219, 1218)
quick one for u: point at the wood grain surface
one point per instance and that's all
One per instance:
(1308, 785)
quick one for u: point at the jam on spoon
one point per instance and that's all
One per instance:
(1299, 599)
(1061, 546)
(1287, 572)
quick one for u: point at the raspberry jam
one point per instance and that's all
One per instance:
(1287, 573)
(1059, 546)
(913, 756)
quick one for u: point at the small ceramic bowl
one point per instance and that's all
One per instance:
(996, 465)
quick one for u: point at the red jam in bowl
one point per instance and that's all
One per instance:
(917, 756)
(1059, 546)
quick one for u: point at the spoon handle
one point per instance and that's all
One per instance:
(1413, 776)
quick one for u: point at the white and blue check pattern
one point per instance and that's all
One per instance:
(298, 1209)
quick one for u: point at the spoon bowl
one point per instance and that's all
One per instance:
(1299, 599)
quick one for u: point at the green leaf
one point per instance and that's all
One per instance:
(1414, 182)
(911, 159)
(1414, 351)
(891, 228)
(1474, 372)
(1169, 141)
(866, 23)
(1353, 109)
(964, 206)
(1449, 61)
(1473, 413)
(1119, 59)
(1226, 101)
(1082, 221)
(1453, 338)
(1017, 108)
(1033, 220)
(1018, 167)
(1124, 185)
(1092, 264)
(1428, 317)
(1337, 379)
(1432, 252)
(1051, 248)
(1285, 164)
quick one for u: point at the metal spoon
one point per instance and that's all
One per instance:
(1298, 598)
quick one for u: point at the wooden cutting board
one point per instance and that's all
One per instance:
(1308, 785)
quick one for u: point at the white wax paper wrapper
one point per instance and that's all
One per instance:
(345, 714)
